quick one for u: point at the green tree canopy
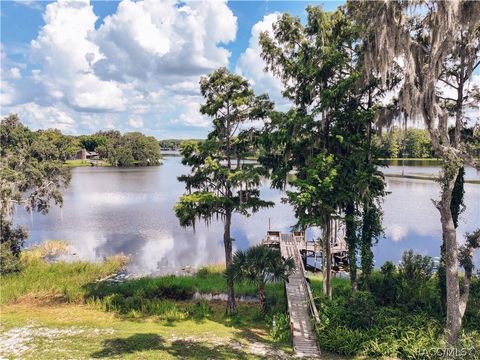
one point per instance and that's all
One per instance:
(129, 149)
(326, 138)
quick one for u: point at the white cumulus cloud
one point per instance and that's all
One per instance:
(251, 65)
(191, 114)
(130, 69)
(61, 48)
(46, 117)
(164, 42)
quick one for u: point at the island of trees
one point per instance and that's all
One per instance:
(129, 149)
(114, 148)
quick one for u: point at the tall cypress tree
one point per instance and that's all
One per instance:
(219, 185)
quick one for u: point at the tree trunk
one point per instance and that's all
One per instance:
(227, 240)
(327, 273)
(459, 104)
(366, 254)
(454, 318)
(456, 204)
(351, 239)
(442, 278)
(262, 297)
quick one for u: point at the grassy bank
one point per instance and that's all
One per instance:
(64, 281)
(76, 282)
(84, 163)
(424, 177)
(59, 310)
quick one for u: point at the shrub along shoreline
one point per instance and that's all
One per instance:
(401, 316)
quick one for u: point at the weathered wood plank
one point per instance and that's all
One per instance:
(304, 339)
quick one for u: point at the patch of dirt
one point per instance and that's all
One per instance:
(251, 346)
(41, 299)
(19, 340)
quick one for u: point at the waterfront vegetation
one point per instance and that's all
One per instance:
(112, 147)
(83, 163)
(75, 282)
(406, 144)
(400, 317)
(336, 70)
(151, 317)
(129, 149)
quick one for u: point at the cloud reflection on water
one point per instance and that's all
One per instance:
(109, 210)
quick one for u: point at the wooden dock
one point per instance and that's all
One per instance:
(301, 308)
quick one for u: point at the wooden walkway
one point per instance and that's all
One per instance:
(300, 302)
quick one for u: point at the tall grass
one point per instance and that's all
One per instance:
(60, 279)
(147, 295)
(174, 287)
(76, 282)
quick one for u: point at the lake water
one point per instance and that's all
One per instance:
(130, 210)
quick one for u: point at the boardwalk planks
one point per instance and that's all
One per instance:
(304, 339)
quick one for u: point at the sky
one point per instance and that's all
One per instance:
(83, 66)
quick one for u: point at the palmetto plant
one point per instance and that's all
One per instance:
(260, 265)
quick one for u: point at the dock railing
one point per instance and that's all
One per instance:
(306, 285)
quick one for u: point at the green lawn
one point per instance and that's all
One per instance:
(82, 163)
(77, 332)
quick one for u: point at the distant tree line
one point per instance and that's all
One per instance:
(415, 143)
(412, 143)
(174, 144)
(129, 149)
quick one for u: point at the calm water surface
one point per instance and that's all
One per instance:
(111, 210)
